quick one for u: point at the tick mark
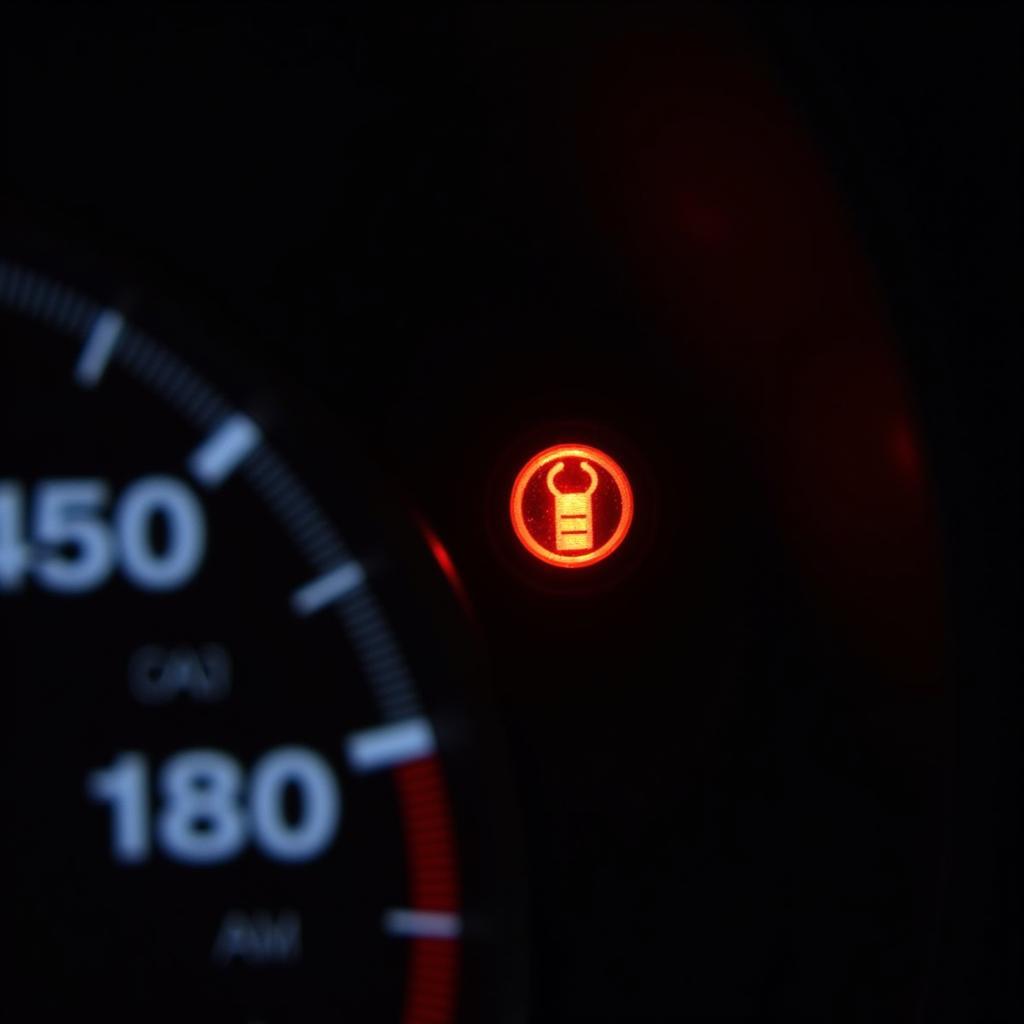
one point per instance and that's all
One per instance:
(327, 589)
(422, 924)
(98, 348)
(230, 444)
(386, 746)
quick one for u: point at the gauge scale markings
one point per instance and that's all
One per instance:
(181, 795)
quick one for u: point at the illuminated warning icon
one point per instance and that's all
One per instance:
(571, 505)
(574, 512)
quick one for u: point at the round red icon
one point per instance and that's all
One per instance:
(571, 505)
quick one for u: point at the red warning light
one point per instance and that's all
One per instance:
(571, 505)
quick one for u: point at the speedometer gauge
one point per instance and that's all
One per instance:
(233, 790)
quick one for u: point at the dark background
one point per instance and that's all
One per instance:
(388, 199)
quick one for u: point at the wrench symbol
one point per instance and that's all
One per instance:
(574, 514)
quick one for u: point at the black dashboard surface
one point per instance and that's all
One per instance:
(439, 240)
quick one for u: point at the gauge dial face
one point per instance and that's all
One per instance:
(227, 791)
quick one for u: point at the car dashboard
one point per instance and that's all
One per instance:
(505, 513)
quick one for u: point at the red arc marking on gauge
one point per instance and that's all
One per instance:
(571, 506)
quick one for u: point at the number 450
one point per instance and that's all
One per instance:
(71, 548)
